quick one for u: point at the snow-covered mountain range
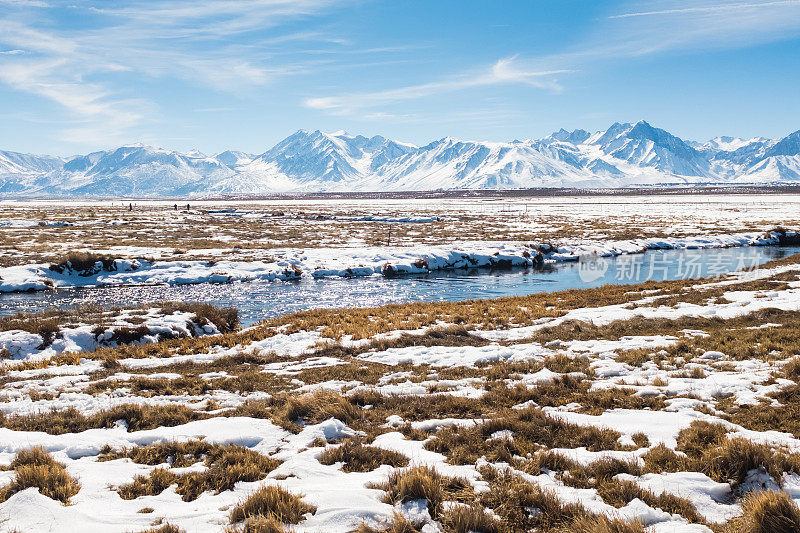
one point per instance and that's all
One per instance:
(305, 162)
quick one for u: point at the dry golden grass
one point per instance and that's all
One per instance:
(601, 524)
(36, 468)
(620, 493)
(148, 387)
(424, 483)
(699, 436)
(82, 261)
(360, 458)
(641, 440)
(272, 502)
(166, 528)
(315, 407)
(36, 456)
(531, 428)
(510, 497)
(157, 482)
(660, 459)
(571, 389)
(136, 417)
(46, 327)
(291, 224)
(258, 524)
(178, 454)
(766, 512)
(49, 323)
(499, 313)
(398, 524)
(764, 416)
(469, 518)
(225, 466)
(600, 475)
(732, 459)
(226, 319)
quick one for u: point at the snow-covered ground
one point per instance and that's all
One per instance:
(38, 232)
(486, 394)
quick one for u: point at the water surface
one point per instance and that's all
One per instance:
(257, 300)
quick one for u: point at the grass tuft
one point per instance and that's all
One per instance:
(273, 502)
(36, 468)
(166, 528)
(660, 459)
(398, 524)
(136, 417)
(699, 436)
(425, 483)
(465, 519)
(359, 458)
(766, 512)
(226, 466)
(601, 524)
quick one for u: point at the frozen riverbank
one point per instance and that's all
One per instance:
(293, 264)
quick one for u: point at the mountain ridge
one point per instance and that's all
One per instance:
(623, 155)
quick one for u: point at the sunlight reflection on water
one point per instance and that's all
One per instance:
(257, 300)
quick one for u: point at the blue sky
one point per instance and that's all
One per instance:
(78, 75)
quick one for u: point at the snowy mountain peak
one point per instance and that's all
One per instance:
(574, 137)
(788, 146)
(233, 158)
(315, 161)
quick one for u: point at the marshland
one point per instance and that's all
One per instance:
(527, 364)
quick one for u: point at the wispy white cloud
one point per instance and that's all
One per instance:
(98, 116)
(719, 8)
(630, 32)
(504, 71)
(189, 40)
(184, 19)
(25, 3)
(695, 26)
